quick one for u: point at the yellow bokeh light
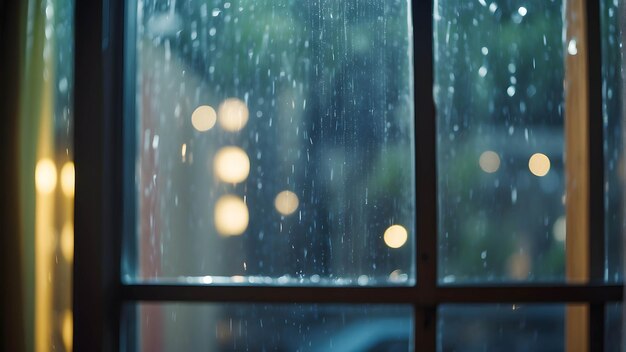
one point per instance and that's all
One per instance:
(231, 216)
(203, 118)
(539, 164)
(231, 164)
(395, 236)
(67, 241)
(286, 202)
(233, 114)
(398, 276)
(68, 179)
(489, 161)
(45, 176)
(67, 329)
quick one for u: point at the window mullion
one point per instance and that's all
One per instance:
(596, 142)
(595, 122)
(425, 174)
(98, 159)
(372, 295)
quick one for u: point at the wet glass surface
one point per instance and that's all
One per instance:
(614, 328)
(506, 327)
(274, 142)
(613, 118)
(499, 72)
(256, 327)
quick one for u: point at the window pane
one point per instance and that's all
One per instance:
(248, 327)
(275, 142)
(499, 70)
(501, 328)
(613, 328)
(612, 91)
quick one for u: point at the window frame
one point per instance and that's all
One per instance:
(105, 179)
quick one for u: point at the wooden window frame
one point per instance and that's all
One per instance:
(104, 179)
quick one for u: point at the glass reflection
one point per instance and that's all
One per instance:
(501, 328)
(250, 327)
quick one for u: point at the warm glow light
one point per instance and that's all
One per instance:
(233, 114)
(67, 329)
(231, 164)
(203, 118)
(68, 179)
(286, 202)
(45, 176)
(395, 236)
(489, 161)
(398, 276)
(231, 216)
(539, 164)
(67, 241)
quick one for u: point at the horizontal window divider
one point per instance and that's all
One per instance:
(593, 293)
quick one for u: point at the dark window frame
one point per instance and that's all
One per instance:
(104, 175)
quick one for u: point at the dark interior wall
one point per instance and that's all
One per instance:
(12, 337)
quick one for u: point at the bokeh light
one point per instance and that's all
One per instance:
(231, 165)
(68, 179)
(233, 114)
(489, 161)
(231, 216)
(559, 229)
(519, 266)
(286, 202)
(539, 164)
(395, 236)
(203, 118)
(45, 176)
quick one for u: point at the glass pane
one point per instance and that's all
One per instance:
(275, 142)
(501, 328)
(613, 328)
(499, 70)
(613, 110)
(248, 327)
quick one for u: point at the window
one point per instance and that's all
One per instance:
(257, 175)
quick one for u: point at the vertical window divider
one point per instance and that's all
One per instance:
(88, 276)
(98, 136)
(596, 228)
(425, 174)
(577, 161)
(596, 142)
